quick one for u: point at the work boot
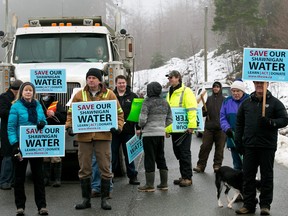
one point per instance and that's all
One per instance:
(245, 210)
(177, 181)
(86, 194)
(105, 187)
(198, 169)
(163, 180)
(57, 167)
(185, 182)
(265, 211)
(134, 181)
(149, 186)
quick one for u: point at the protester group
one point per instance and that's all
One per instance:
(237, 120)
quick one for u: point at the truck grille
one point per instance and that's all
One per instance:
(64, 98)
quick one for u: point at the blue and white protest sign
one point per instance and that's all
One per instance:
(180, 119)
(49, 80)
(134, 148)
(94, 116)
(265, 65)
(47, 142)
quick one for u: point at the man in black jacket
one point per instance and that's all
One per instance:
(256, 139)
(7, 168)
(125, 97)
(212, 133)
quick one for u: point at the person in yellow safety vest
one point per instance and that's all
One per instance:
(55, 115)
(98, 142)
(182, 96)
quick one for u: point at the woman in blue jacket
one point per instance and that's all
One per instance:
(26, 110)
(228, 115)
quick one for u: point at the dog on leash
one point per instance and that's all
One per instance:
(230, 178)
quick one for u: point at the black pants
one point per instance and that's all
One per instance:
(183, 154)
(37, 174)
(154, 152)
(253, 158)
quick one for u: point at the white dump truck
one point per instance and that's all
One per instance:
(68, 43)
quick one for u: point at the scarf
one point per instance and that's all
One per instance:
(31, 107)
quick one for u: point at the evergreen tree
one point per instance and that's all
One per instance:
(239, 21)
(157, 60)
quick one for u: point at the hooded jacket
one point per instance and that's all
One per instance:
(213, 104)
(155, 113)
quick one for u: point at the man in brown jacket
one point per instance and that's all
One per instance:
(94, 141)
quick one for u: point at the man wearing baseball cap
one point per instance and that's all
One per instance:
(7, 168)
(98, 142)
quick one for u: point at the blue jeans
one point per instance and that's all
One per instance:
(7, 172)
(96, 176)
(118, 140)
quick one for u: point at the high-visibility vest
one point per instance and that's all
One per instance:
(53, 106)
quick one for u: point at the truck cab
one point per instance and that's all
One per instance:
(73, 44)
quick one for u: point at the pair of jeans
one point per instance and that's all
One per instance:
(96, 176)
(117, 140)
(7, 172)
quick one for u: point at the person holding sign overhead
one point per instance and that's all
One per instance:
(256, 139)
(155, 115)
(212, 132)
(182, 96)
(26, 110)
(100, 142)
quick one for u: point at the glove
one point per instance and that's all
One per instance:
(204, 113)
(265, 122)
(15, 149)
(41, 124)
(70, 131)
(230, 133)
(115, 131)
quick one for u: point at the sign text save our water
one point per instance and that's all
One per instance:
(47, 142)
(265, 64)
(94, 116)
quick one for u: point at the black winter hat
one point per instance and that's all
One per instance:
(16, 84)
(95, 72)
(154, 89)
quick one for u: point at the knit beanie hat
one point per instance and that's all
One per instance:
(238, 84)
(16, 84)
(95, 72)
(26, 84)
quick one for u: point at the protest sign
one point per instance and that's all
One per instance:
(49, 80)
(134, 148)
(180, 119)
(94, 116)
(47, 142)
(268, 65)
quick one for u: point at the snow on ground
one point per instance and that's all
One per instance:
(192, 70)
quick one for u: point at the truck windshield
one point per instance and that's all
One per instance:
(78, 47)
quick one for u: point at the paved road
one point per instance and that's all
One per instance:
(198, 200)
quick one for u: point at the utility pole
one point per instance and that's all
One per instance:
(6, 30)
(205, 45)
